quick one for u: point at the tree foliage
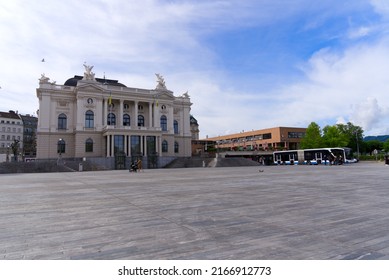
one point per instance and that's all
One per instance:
(339, 135)
(333, 137)
(385, 146)
(312, 138)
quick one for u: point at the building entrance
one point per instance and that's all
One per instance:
(120, 160)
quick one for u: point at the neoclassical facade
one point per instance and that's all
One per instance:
(88, 117)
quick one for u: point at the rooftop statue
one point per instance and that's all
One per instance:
(88, 74)
(43, 79)
(160, 82)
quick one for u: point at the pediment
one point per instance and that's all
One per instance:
(165, 95)
(90, 87)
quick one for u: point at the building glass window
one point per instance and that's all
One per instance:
(164, 123)
(89, 145)
(126, 120)
(175, 125)
(141, 120)
(151, 145)
(61, 146)
(89, 119)
(111, 119)
(135, 145)
(62, 121)
(119, 143)
(176, 147)
(164, 146)
(267, 136)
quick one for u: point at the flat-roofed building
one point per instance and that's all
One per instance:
(277, 138)
(30, 124)
(11, 136)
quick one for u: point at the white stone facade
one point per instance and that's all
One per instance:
(88, 117)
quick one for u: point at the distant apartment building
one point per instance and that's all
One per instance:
(277, 138)
(90, 117)
(11, 136)
(30, 125)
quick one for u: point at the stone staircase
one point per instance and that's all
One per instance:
(47, 166)
(189, 162)
(211, 162)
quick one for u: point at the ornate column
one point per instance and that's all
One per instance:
(170, 120)
(150, 114)
(141, 144)
(136, 113)
(105, 111)
(80, 119)
(125, 145)
(108, 144)
(120, 118)
(156, 116)
(112, 145)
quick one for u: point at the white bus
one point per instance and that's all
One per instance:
(313, 156)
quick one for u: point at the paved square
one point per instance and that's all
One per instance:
(284, 212)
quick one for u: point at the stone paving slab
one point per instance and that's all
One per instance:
(284, 212)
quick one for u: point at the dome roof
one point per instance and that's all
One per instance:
(193, 120)
(73, 81)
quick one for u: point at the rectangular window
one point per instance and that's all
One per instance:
(296, 134)
(151, 145)
(135, 145)
(267, 136)
(119, 143)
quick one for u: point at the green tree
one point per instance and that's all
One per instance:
(373, 145)
(385, 146)
(354, 135)
(312, 138)
(333, 137)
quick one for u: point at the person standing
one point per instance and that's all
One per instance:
(139, 164)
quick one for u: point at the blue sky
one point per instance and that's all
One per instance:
(247, 65)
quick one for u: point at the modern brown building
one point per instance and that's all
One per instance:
(276, 138)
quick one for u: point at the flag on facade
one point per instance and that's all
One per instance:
(110, 99)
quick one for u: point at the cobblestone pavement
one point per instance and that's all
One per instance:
(284, 212)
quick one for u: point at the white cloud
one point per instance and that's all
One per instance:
(369, 114)
(131, 41)
(381, 7)
(360, 32)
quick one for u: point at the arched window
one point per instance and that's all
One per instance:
(126, 120)
(62, 121)
(89, 119)
(164, 146)
(141, 120)
(61, 146)
(111, 119)
(164, 123)
(175, 125)
(176, 146)
(89, 145)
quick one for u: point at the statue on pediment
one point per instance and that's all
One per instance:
(160, 82)
(88, 74)
(43, 79)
